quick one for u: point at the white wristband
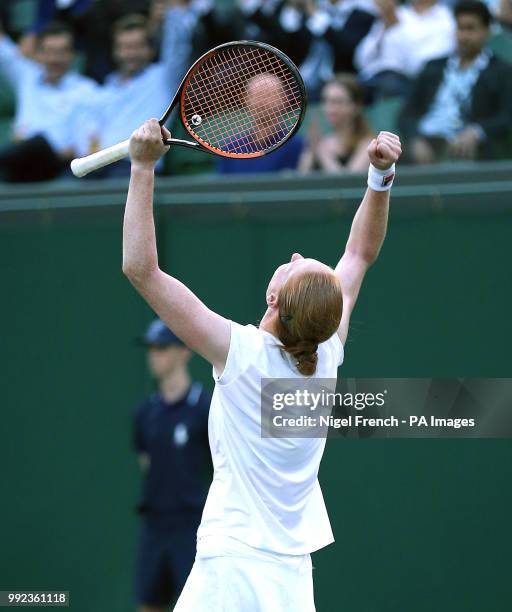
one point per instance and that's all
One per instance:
(381, 180)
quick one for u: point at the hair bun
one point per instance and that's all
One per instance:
(305, 352)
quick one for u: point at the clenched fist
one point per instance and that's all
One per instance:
(384, 150)
(146, 143)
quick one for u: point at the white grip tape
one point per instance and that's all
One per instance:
(83, 165)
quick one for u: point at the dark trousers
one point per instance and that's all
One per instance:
(30, 160)
(165, 556)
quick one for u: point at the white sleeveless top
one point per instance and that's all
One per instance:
(265, 491)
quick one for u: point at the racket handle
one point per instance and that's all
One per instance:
(83, 165)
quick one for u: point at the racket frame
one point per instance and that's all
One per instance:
(180, 94)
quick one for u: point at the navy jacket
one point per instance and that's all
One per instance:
(490, 107)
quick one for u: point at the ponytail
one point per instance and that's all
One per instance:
(309, 313)
(305, 354)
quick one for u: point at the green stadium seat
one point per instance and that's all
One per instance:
(22, 14)
(6, 110)
(383, 115)
(501, 44)
(5, 131)
(314, 110)
(6, 99)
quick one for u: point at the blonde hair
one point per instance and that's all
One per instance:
(310, 307)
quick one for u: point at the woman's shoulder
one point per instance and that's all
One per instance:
(247, 335)
(333, 347)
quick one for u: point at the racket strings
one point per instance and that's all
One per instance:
(243, 100)
(261, 117)
(231, 97)
(277, 68)
(278, 109)
(206, 100)
(282, 106)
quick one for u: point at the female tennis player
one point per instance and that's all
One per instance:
(265, 512)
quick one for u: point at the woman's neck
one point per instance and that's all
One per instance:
(268, 322)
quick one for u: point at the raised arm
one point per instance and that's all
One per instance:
(369, 225)
(180, 21)
(202, 330)
(12, 62)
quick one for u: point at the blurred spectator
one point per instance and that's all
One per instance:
(461, 106)
(140, 88)
(48, 11)
(47, 100)
(265, 97)
(283, 24)
(156, 20)
(97, 34)
(91, 22)
(345, 150)
(343, 24)
(219, 23)
(171, 438)
(318, 37)
(400, 43)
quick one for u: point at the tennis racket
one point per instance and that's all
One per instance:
(243, 99)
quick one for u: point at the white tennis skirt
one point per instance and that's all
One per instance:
(229, 576)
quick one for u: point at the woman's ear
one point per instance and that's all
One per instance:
(271, 300)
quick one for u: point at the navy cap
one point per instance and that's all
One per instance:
(158, 334)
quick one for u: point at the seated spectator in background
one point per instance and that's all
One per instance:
(345, 150)
(460, 106)
(265, 98)
(140, 88)
(48, 11)
(91, 22)
(400, 43)
(319, 37)
(343, 24)
(285, 25)
(220, 24)
(48, 95)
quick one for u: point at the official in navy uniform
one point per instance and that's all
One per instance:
(171, 437)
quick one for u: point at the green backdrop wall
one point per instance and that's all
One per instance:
(420, 525)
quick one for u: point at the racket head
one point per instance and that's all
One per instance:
(242, 99)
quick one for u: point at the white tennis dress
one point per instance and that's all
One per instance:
(265, 511)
